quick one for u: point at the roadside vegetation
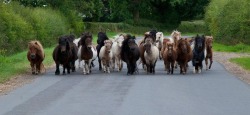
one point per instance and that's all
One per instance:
(243, 62)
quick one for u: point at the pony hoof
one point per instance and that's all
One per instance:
(33, 73)
(57, 73)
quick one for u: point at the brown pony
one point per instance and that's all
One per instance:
(169, 57)
(164, 45)
(36, 56)
(184, 54)
(62, 55)
(209, 55)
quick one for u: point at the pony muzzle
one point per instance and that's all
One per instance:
(32, 56)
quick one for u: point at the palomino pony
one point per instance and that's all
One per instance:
(86, 52)
(184, 54)
(198, 53)
(100, 42)
(106, 56)
(35, 56)
(209, 51)
(169, 57)
(62, 55)
(151, 55)
(130, 54)
(116, 50)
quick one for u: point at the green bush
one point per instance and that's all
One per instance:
(19, 24)
(228, 21)
(197, 26)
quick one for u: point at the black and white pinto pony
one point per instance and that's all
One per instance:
(101, 37)
(198, 53)
(86, 53)
(130, 54)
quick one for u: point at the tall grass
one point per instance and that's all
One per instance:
(231, 48)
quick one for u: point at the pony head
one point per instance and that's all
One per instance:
(200, 42)
(170, 48)
(63, 44)
(209, 41)
(35, 47)
(159, 36)
(183, 45)
(119, 40)
(108, 45)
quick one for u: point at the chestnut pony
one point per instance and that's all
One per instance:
(209, 51)
(36, 56)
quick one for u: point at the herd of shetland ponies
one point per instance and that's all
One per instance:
(175, 51)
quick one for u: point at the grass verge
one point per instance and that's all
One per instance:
(243, 62)
(18, 64)
(241, 48)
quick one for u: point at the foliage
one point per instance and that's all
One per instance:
(242, 61)
(196, 26)
(228, 21)
(21, 24)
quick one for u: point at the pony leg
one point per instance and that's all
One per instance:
(172, 67)
(32, 68)
(206, 62)
(108, 66)
(211, 62)
(57, 72)
(68, 68)
(83, 67)
(64, 66)
(37, 69)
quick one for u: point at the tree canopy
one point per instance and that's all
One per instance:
(164, 11)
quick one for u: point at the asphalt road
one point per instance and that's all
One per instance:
(213, 92)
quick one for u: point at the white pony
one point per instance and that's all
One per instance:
(116, 50)
(159, 42)
(175, 36)
(106, 56)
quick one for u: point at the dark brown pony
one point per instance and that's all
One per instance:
(74, 50)
(184, 54)
(36, 56)
(130, 54)
(62, 54)
(209, 55)
(169, 57)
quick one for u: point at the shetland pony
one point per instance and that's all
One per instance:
(198, 53)
(74, 50)
(209, 51)
(164, 45)
(86, 52)
(62, 55)
(175, 36)
(101, 37)
(151, 55)
(159, 42)
(169, 57)
(184, 54)
(147, 38)
(130, 54)
(106, 56)
(116, 50)
(35, 56)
